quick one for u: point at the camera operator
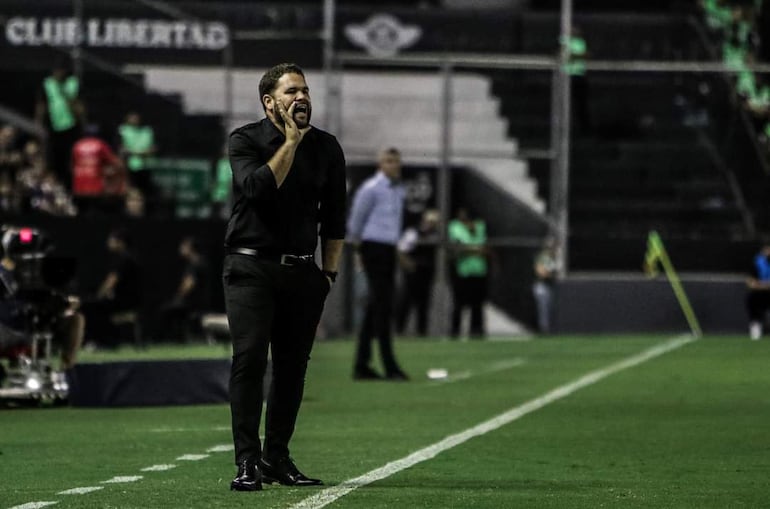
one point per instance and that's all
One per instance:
(21, 315)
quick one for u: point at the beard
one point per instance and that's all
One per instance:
(301, 118)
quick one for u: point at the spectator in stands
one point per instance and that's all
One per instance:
(374, 227)
(118, 293)
(576, 69)
(758, 103)
(98, 176)
(181, 316)
(38, 189)
(9, 198)
(417, 257)
(546, 269)
(134, 206)
(11, 161)
(758, 299)
(468, 245)
(60, 109)
(137, 143)
(10, 153)
(222, 189)
(718, 15)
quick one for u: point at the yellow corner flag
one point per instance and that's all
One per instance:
(656, 255)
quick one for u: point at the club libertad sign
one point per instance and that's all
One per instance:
(117, 33)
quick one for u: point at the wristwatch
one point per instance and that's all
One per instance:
(331, 274)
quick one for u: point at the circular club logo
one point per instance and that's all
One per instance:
(383, 35)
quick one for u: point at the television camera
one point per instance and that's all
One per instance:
(31, 279)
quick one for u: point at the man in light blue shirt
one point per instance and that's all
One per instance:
(374, 227)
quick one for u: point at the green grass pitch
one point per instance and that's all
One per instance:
(689, 429)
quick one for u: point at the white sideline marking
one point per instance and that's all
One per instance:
(188, 430)
(118, 479)
(158, 468)
(33, 505)
(221, 448)
(329, 495)
(81, 491)
(192, 457)
(494, 368)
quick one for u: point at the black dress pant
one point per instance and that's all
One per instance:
(275, 306)
(469, 292)
(379, 261)
(758, 304)
(415, 295)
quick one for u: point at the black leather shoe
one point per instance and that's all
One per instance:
(249, 478)
(397, 376)
(285, 472)
(366, 373)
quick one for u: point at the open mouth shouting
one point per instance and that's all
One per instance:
(302, 114)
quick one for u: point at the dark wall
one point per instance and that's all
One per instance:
(635, 304)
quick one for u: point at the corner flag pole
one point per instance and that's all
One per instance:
(658, 251)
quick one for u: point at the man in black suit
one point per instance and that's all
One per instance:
(288, 177)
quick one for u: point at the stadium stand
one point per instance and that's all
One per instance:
(654, 159)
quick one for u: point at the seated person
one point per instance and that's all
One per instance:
(118, 292)
(191, 298)
(758, 299)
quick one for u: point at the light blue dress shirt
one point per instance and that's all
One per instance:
(377, 212)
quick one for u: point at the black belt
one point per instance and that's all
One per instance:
(283, 259)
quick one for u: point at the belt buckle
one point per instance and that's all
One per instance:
(285, 259)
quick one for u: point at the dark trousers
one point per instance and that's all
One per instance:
(469, 292)
(379, 261)
(60, 154)
(275, 306)
(415, 295)
(758, 303)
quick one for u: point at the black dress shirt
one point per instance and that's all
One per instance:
(285, 220)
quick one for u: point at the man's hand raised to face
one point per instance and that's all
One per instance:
(293, 133)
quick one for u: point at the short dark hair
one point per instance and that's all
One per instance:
(270, 79)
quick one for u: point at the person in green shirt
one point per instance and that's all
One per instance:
(575, 68)
(137, 143)
(468, 245)
(221, 190)
(759, 102)
(61, 112)
(718, 16)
